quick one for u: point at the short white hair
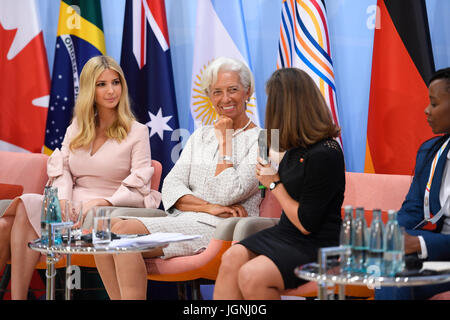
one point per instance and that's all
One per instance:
(227, 64)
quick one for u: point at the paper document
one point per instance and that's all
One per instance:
(154, 239)
(436, 265)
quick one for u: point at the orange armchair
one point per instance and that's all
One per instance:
(204, 265)
(366, 190)
(27, 170)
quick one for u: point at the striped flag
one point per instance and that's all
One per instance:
(25, 79)
(305, 44)
(220, 31)
(79, 38)
(147, 66)
(402, 63)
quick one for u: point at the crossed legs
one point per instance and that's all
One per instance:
(125, 275)
(245, 275)
(15, 233)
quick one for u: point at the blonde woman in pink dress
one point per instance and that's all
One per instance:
(213, 179)
(104, 161)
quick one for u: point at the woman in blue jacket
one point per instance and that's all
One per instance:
(425, 213)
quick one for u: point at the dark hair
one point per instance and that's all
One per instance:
(297, 108)
(441, 74)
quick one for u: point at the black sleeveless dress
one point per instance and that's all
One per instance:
(315, 177)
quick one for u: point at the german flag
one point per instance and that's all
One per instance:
(402, 63)
(79, 38)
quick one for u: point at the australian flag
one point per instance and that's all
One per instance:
(147, 65)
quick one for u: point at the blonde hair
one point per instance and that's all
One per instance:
(85, 111)
(297, 108)
(227, 64)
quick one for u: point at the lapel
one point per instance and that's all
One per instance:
(435, 204)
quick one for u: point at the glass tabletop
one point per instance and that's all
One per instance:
(310, 272)
(82, 247)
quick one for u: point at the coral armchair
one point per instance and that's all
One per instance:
(204, 265)
(371, 191)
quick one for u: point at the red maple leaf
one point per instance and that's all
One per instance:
(23, 79)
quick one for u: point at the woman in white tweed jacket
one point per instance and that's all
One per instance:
(213, 179)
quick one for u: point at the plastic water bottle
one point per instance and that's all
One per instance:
(51, 212)
(393, 246)
(360, 241)
(376, 244)
(345, 238)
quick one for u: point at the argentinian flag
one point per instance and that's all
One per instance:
(220, 31)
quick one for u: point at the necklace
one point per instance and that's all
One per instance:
(236, 132)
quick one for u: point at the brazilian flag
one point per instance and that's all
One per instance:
(79, 38)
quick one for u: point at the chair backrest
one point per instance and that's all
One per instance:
(269, 207)
(156, 177)
(376, 191)
(30, 171)
(371, 191)
(368, 190)
(26, 169)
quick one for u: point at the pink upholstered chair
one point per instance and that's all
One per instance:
(196, 268)
(204, 265)
(371, 191)
(28, 170)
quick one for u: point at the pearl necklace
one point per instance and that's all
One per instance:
(236, 132)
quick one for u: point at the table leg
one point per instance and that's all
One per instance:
(50, 278)
(341, 291)
(323, 290)
(68, 285)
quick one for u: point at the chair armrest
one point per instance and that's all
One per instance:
(138, 212)
(125, 211)
(250, 225)
(224, 230)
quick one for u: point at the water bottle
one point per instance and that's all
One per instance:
(393, 246)
(376, 244)
(359, 238)
(51, 212)
(345, 238)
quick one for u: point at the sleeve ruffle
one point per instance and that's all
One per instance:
(55, 164)
(139, 180)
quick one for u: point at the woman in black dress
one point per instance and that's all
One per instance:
(309, 185)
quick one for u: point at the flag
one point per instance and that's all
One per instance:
(402, 63)
(220, 31)
(147, 65)
(79, 37)
(25, 79)
(305, 44)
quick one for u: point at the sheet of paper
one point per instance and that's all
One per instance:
(436, 265)
(159, 238)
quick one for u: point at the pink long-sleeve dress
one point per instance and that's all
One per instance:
(117, 172)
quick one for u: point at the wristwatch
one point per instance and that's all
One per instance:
(274, 184)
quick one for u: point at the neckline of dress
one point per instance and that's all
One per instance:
(236, 132)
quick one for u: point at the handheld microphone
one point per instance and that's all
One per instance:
(263, 153)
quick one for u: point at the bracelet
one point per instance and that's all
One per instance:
(225, 158)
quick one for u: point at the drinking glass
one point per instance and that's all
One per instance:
(101, 233)
(74, 213)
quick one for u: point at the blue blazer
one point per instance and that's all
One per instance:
(411, 212)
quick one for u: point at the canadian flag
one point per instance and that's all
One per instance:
(24, 78)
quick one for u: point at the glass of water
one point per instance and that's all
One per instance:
(73, 212)
(101, 233)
